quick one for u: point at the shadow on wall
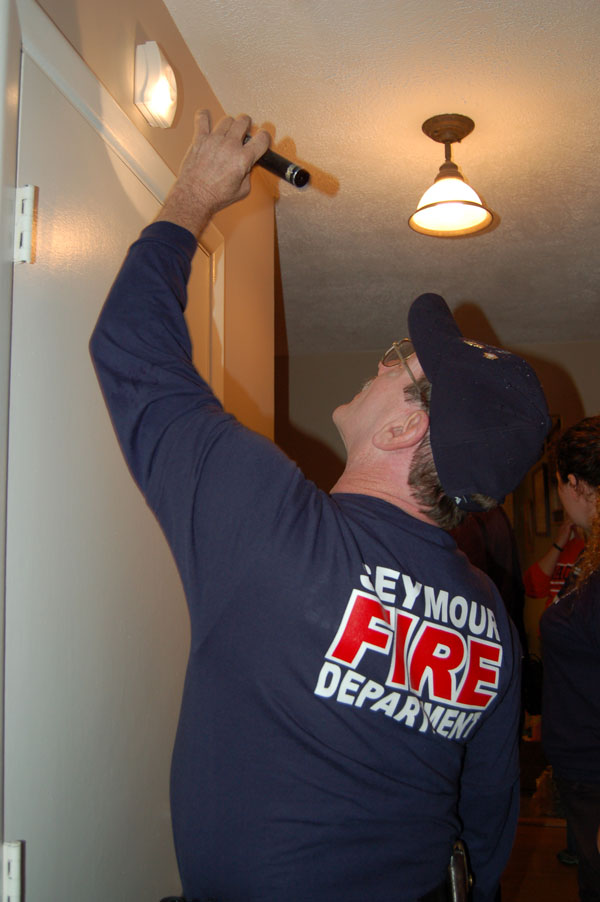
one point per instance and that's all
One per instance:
(316, 460)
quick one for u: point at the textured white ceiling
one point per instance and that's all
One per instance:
(344, 86)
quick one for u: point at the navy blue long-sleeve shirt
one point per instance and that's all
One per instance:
(351, 701)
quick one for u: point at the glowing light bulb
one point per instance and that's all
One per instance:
(155, 89)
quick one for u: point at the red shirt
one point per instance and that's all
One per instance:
(539, 585)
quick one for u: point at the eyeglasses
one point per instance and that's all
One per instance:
(399, 352)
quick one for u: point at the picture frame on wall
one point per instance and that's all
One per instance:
(555, 429)
(557, 513)
(541, 501)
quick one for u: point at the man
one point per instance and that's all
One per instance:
(352, 695)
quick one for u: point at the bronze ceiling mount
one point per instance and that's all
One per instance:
(448, 128)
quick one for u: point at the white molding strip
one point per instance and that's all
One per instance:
(60, 62)
(50, 50)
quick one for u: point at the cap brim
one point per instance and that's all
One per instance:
(431, 326)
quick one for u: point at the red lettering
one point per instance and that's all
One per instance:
(427, 658)
(366, 624)
(478, 676)
(435, 656)
(405, 624)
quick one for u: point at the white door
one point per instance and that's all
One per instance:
(96, 626)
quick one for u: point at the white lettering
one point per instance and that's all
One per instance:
(492, 630)
(436, 608)
(411, 591)
(475, 627)
(447, 721)
(365, 580)
(459, 611)
(386, 579)
(431, 654)
(463, 721)
(369, 690)
(351, 683)
(388, 704)
(409, 711)
(433, 715)
(329, 679)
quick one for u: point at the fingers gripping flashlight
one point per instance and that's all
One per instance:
(285, 169)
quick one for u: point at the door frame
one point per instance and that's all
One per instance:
(25, 28)
(10, 65)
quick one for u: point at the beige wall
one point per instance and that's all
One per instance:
(106, 36)
(570, 374)
(317, 384)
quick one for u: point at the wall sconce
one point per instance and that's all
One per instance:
(155, 88)
(450, 207)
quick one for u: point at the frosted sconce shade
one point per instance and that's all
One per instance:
(155, 88)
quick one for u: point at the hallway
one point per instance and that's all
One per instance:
(534, 872)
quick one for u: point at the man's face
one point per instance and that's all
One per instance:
(381, 400)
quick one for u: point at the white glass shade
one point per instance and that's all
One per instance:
(155, 88)
(450, 208)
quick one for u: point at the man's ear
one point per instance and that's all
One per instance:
(405, 434)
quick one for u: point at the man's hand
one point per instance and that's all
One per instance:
(215, 171)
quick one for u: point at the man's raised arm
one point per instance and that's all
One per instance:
(140, 346)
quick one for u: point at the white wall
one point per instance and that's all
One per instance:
(9, 93)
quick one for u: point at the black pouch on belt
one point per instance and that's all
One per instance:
(457, 885)
(459, 878)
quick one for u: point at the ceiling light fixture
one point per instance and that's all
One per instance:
(155, 88)
(450, 207)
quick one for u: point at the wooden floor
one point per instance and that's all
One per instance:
(534, 872)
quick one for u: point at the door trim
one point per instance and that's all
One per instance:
(60, 62)
(10, 54)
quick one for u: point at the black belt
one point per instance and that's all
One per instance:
(439, 894)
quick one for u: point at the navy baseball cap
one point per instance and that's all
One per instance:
(488, 413)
